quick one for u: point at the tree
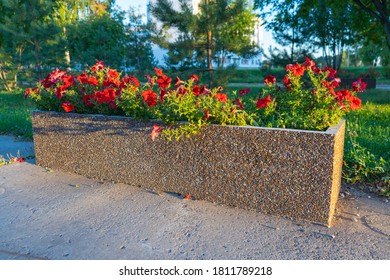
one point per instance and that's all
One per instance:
(220, 27)
(31, 36)
(139, 49)
(380, 11)
(98, 37)
(323, 24)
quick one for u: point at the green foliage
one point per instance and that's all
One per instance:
(98, 38)
(359, 163)
(229, 23)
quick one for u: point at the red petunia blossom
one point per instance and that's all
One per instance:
(182, 90)
(93, 81)
(83, 78)
(331, 71)
(129, 80)
(289, 67)
(112, 105)
(150, 97)
(335, 82)
(287, 82)
(298, 70)
(343, 95)
(196, 90)
(99, 65)
(238, 103)
(269, 80)
(242, 92)
(221, 97)
(163, 81)
(108, 95)
(163, 92)
(178, 82)
(67, 106)
(87, 99)
(111, 82)
(29, 91)
(194, 78)
(359, 85)
(150, 80)
(159, 72)
(16, 159)
(354, 102)
(309, 63)
(68, 80)
(207, 115)
(112, 74)
(155, 132)
(263, 102)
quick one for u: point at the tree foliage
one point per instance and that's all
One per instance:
(221, 27)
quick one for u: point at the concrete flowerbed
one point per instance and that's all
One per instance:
(284, 172)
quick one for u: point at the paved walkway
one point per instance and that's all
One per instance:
(49, 214)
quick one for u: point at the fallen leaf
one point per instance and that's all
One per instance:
(156, 131)
(187, 196)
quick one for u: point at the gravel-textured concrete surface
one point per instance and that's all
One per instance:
(284, 172)
(49, 214)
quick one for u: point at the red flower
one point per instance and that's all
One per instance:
(108, 95)
(155, 132)
(298, 70)
(343, 95)
(238, 103)
(83, 78)
(242, 92)
(87, 99)
(207, 116)
(287, 82)
(163, 81)
(331, 71)
(99, 65)
(263, 102)
(194, 78)
(196, 90)
(93, 81)
(159, 72)
(112, 105)
(359, 85)
(221, 97)
(112, 74)
(269, 80)
(129, 80)
(67, 106)
(354, 102)
(178, 82)
(16, 159)
(29, 91)
(163, 92)
(309, 63)
(150, 97)
(68, 80)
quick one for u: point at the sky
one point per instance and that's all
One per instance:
(140, 5)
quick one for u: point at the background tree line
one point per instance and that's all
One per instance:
(357, 30)
(38, 35)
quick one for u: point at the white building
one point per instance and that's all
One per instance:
(239, 62)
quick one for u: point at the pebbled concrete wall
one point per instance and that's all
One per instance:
(291, 173)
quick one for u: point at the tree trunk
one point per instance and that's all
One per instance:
(209, 52)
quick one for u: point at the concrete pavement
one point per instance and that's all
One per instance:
(47, 214)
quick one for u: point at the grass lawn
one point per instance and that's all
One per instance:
(15, 115)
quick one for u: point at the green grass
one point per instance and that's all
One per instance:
(371, 124)
(15, 114)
